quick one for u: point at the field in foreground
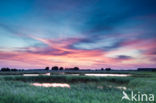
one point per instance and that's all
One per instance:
(83, 89)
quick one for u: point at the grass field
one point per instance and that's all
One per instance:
(84, 89)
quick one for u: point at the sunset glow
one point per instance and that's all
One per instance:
(90, 34)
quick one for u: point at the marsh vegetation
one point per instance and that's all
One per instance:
(82, 89)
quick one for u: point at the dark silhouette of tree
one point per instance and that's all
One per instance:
(55, 68)
(14, 69)
(5, 69)
(76, 68)
(146, 69)
(61, 68)
(46, 68)
(102, 69)
(108, 69)
(8, 69)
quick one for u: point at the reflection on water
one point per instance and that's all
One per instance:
(106, 75)
(110, 86)
(121, 87)
(52, 85)
(30, 74)
(46, 74)
(101, 75)
(118, 87)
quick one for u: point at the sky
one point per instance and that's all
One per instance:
(90, 34)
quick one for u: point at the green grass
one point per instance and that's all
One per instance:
(17, 89)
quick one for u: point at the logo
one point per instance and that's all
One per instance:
(137, 97)
(125, 96)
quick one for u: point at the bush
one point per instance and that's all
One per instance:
(5, 69)
(55, 68)
(47, 68)
(108, 69)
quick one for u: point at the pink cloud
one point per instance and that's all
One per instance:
(58, 52)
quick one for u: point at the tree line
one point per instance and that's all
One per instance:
(10, 69)
(61, 68)
(46, 68)
(52, 68)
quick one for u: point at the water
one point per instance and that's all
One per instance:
(30, 74)
(118, 87)
(93, 74)
(110, 86)
(107, 75)
(46, 74)
(121, 87)
(64, 85)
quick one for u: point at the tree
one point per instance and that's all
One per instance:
(55, 68)
(108, 69)
(76, 68)
(5, 69)
(46, 68)
(14, 69)
(102, 69)
(61, 68)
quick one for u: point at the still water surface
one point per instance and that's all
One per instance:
(65, 85)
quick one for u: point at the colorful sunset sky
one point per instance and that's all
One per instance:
(90, 34)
